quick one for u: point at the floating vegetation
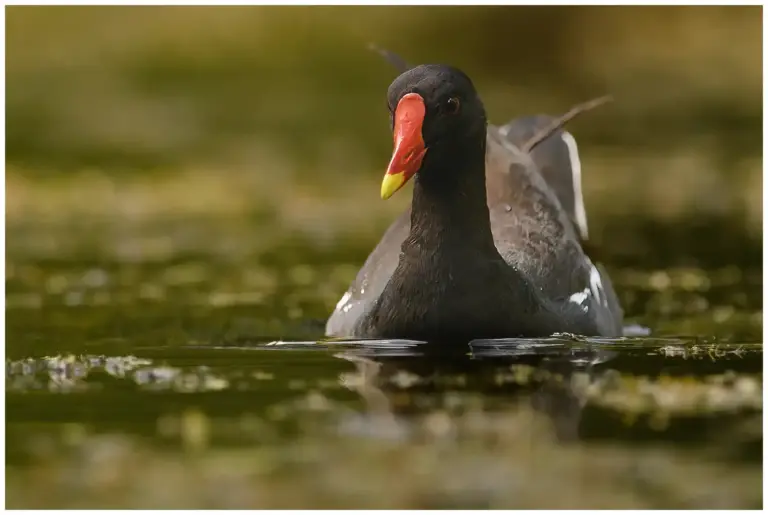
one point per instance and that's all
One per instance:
(79, 373)
(677, 396)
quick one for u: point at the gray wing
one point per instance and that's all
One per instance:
(534, 231)
(557, 159)
(370, 280)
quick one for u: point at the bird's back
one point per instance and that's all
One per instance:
(538, 219)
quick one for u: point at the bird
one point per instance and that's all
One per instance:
(491, 245)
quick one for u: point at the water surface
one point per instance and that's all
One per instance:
(181, 366)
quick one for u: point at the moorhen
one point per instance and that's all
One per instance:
(490, 247)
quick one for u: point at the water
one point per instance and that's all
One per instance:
(181, 365)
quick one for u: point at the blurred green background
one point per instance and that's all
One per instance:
(280, 111)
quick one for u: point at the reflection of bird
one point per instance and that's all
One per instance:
(552, 375)
(491, 244)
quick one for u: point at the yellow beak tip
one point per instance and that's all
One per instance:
(391, 183)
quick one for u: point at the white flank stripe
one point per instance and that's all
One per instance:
(578, 198)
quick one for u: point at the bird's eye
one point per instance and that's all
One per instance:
(452, 106)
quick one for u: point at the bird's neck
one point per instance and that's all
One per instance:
(449, 208)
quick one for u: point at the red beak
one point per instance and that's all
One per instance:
(409, 144)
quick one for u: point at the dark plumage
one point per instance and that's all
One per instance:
(490, 247)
